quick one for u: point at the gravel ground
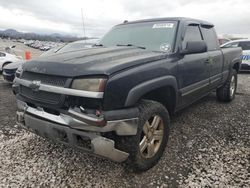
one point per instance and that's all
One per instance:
(209, 146)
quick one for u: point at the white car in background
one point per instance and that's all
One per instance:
(245, 45)
(7, 58)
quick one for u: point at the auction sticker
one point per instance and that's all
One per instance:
(163, 25)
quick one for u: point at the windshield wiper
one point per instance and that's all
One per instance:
(141, 47)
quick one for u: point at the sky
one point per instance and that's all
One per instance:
(64, 16)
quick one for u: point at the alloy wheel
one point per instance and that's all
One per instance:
(152, 136)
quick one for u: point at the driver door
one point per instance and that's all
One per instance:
(193, 70)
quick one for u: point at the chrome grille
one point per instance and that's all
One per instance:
(41, 96)
(9, 71)
(45, 79)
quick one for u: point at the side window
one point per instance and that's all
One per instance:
(245, 45)
(2, 54)
(231, 45)
(210, 37)
(192, 34)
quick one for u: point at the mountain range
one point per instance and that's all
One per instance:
(14, 34)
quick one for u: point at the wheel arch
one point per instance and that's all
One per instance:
(162, 89)
(236, 64)
(6, 63)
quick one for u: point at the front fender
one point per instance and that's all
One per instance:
(138, 91)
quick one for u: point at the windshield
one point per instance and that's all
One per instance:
(157, 36)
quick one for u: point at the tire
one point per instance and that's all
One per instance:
(226, 93)
(145, 150)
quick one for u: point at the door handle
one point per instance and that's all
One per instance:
(207, 61)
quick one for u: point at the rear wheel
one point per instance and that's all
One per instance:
(147, 146)
(227, 92)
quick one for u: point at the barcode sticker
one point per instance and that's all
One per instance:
(163, 25)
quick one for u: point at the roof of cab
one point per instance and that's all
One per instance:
(184, 19)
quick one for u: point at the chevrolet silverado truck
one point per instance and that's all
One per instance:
(115, 99)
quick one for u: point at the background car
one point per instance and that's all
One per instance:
(7, 58)
(77, 45)
(10, 70)
(245, 45)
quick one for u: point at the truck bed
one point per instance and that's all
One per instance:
(229, 54)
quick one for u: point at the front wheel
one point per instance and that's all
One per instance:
(147, 146)
(227, 92)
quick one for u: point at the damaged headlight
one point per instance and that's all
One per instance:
(89, 84)
(19, 72)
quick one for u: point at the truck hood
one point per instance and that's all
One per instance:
(93, 61)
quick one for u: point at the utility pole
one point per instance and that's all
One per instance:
(83, 26)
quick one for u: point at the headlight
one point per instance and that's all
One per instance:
(19, 72)
(89, 84)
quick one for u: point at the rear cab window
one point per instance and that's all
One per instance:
(210, 38)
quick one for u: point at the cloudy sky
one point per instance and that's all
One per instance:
(64, 16)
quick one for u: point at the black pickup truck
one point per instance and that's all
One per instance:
(115, 100)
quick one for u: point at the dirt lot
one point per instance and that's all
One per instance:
(209, 146)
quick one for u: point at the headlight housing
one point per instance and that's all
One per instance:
(89, 84)
(19, 72)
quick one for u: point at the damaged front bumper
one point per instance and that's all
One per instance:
(78, 129)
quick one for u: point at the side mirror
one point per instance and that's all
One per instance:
(194, 47)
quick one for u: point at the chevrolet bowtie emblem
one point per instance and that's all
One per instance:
(34, 85)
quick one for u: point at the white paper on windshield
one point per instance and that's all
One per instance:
(163, 25)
